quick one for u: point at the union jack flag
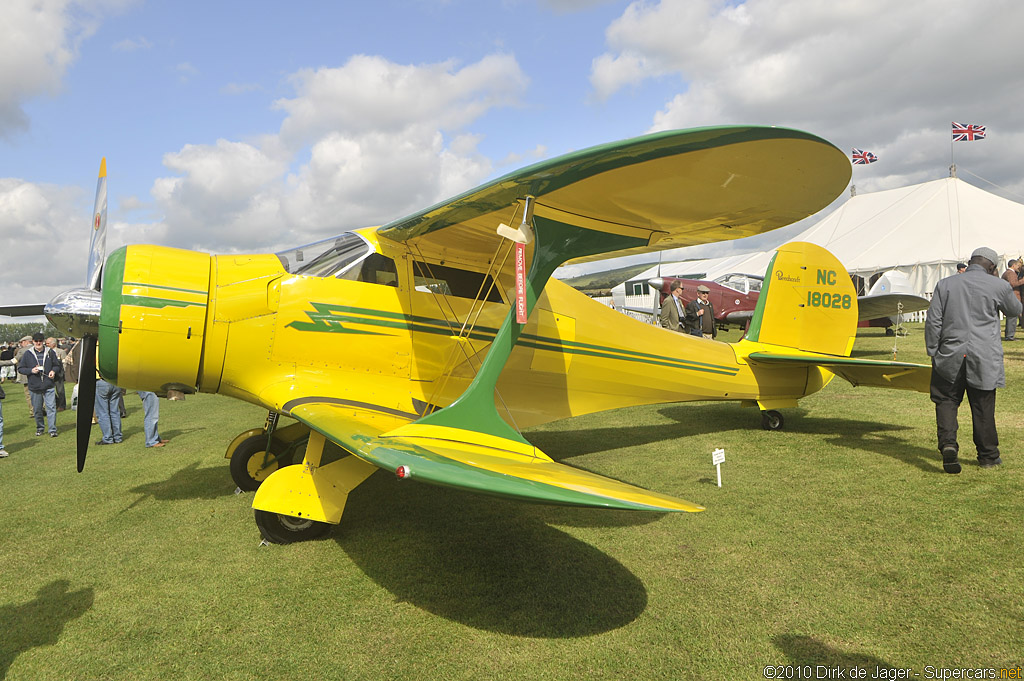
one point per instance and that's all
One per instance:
(861, 157)
(968, 133)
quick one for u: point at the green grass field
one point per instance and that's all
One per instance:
(837, 542)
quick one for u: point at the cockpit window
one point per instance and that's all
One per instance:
(744, 283)
(450, 281)
(328, 258)
(374, 269)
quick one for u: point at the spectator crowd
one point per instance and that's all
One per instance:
(42, 366)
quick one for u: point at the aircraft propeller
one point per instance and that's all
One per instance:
(77, 313)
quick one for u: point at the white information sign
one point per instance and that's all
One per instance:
(717, 459)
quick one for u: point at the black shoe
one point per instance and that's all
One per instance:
(991, 463)
(950, 464)
(39, 432)
(101, 442)
(53, 434)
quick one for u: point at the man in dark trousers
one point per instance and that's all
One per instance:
(700, 314)
(961, 335)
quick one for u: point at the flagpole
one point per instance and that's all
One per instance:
(952, 161)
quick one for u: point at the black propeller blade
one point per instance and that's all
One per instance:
(86, 396)
(94, 271)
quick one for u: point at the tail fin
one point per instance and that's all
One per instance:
(807, 302)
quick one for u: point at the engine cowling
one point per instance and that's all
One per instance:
(153, 317)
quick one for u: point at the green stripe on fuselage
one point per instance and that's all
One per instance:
(333, 319)
(150, 301)
(167, 288)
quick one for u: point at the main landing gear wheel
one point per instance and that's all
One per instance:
(285, 529)
(771, 420)
(251, 463)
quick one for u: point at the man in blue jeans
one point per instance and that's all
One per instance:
(108, 414)
(151, 409)
(40, 364)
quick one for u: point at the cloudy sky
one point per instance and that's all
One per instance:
(254, 126)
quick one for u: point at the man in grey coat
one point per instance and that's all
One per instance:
(962, 338)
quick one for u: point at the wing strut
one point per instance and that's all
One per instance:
(466, 326)
(475, 410)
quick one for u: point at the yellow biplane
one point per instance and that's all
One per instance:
(424, 346)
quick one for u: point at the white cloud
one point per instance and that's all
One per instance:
(372, 94)
(186, 72)
(361, 144)
(38, 40)
(224, 192)
(42, 259)
(516, 159)
(132, 44)
(887, 77)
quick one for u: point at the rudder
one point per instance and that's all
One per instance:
(807, 302)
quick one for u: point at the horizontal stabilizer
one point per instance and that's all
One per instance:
(859, 372)
(889, 305)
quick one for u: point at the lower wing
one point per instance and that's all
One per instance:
(465, 459)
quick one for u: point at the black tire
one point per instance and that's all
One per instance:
(285, 529)
(249, 465)
(772, 420)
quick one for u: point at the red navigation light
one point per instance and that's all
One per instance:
(403, 472)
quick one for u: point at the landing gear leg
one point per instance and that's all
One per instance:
(771, 420)
(258, 452)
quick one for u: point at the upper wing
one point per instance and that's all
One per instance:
(869, 372)
(670, 189)
(888, 305)
(469, 460)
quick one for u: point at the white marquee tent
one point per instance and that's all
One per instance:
(922, 230)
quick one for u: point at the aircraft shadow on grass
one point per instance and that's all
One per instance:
(191, 482)
(806, 650)
(490, 564)
(41, 621)
(692, 420)
(872, 436)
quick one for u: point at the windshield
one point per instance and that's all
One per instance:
(744, 283)
(328, 258)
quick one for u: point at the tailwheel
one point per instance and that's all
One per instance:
(285, 529)
(771, 420)
(252, 461)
